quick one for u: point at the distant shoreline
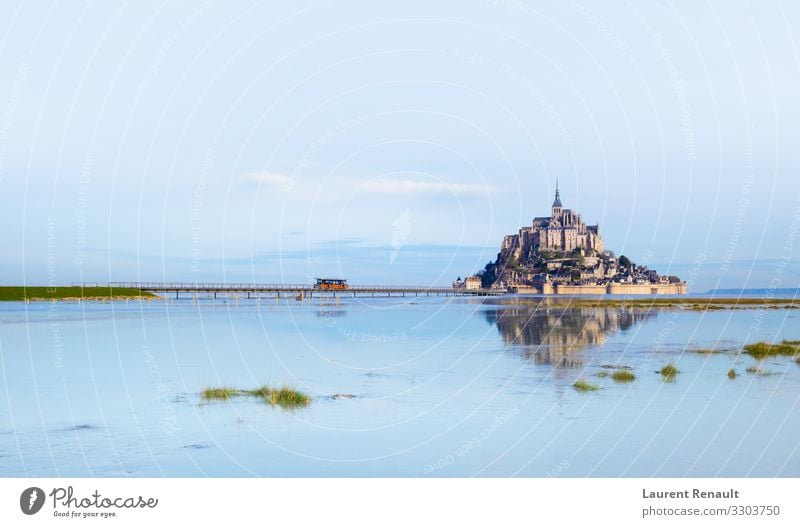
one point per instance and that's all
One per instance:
(71, 293)
(754, 291)
(687, 302)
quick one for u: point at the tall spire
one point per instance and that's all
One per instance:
(557, 201)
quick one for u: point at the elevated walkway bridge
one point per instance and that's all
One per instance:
(253, 290)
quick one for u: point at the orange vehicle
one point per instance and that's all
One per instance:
(331, 284)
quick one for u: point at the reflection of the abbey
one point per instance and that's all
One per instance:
(551, 335)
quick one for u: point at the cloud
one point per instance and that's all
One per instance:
(395, 187)
(268, 178)
(407, 186)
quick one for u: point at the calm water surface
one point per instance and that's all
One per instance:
(443, 387)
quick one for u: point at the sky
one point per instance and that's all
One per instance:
(394, 142)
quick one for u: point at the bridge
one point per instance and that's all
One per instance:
(253, 290)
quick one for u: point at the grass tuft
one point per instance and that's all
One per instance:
(704, 351)
(623, 376)
(761, 350)
(584, 386)
(731, 374)
(284, 396)
(215, 394)
(669, 371)
(756, 370)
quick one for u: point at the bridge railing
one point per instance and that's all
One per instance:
(247, 286)
(218, 286)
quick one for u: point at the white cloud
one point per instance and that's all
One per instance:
(406, 186)
(268, 178)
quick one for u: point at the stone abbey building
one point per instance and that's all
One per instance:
(560, 254)
(564, 231)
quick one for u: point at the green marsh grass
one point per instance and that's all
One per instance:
(705, 351)
(761, 350)
(756, 370)
(217, 394)
(585, 386)
(669, 372)
(623, 376)
(23, 293)
(284, 396)
(682, 303)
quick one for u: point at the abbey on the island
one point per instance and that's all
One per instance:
(560, 254)
(563, 231)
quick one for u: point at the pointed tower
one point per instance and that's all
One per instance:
(557, 203)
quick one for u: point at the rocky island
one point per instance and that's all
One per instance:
(560, 254)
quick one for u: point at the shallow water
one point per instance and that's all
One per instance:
(443, 387)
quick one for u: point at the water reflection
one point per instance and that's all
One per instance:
(331, 313)
(552, 335)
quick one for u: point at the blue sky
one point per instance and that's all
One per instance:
(278, 141)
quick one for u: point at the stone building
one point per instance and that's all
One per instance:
(563, 231)
(473, 283)
(560, 254)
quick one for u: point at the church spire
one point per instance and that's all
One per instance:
(557, 201)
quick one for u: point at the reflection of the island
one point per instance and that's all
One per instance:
(552, 335)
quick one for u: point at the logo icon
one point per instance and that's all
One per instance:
(402, 230)
(31, 500)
